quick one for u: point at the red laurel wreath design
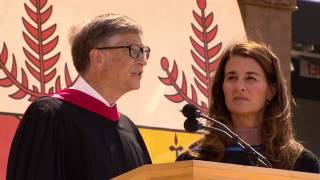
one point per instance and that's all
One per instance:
(40, 43)
(202, 55)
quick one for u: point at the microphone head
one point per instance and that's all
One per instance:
(191, 125)
(190, 111)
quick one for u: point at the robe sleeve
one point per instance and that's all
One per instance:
(37, 148)
(139, 138)
(144, 147)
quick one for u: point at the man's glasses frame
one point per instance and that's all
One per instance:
(135, 51)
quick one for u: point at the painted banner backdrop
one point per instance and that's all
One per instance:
(186, 38)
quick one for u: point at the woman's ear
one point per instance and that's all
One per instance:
(271, 92)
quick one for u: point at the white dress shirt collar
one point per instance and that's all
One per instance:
(82, 85)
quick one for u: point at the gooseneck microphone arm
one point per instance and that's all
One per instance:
(241, 142)
(191, 112)
(193, 125)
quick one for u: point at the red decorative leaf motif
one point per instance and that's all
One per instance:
(165, 66)
(197, 47)
(209, 20)
(199, 75)
(68, 80)
(32, 98)
(203, 90)
(34, 72)
(4, 54)
(197, 32)
(50, 90)
(6, 82)
(21, 93)
(212, 34)
(197, 59)
(174, 72)
(35, 88)
(204, 105)
(184, 84)
(47, 48)
(166, 81)
(37, 63)
(194, 94)
(46, 15)
(213, 65)
(164, 63)
(214, 50)
(40, 48)
(31, 14)
(203, 59)
(181, 92)
(31, 29)
(50, 75)
(13, 71)
(198, 18)
(203, 49)
(24, 79)
(176, 98)
(67, 76)
(51, 61)
(34, 46)
(202, 4)
(39, 3)
(48, 32)
(34, 60)
(58, 84)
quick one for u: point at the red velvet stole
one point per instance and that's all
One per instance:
(87, 102)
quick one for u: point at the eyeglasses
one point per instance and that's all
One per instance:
(135, 51)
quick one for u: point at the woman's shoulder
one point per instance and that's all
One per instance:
(307, 162)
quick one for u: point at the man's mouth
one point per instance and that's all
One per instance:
(138, 73)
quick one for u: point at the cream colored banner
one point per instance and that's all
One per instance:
(186, 38)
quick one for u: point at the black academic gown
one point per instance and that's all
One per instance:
(58, 140)
(307, 161)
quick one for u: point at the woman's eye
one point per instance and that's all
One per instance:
(251, 78)
(230, 77)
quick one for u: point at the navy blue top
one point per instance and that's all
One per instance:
(307, 161)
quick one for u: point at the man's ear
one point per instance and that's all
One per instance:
(95, 57)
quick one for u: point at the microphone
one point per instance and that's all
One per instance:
(193, 125)
(191, 113)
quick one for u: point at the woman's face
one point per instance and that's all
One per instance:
(245, 87)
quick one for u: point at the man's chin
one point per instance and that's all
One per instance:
(135, 87)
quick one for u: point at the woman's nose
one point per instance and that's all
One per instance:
(240, 86)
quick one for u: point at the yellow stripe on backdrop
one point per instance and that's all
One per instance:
(164, 145)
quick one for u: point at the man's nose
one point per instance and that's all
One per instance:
(142, 61)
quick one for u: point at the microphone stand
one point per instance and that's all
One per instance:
(259, 160)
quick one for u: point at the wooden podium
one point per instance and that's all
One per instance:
(185, 170)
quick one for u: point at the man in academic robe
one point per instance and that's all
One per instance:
(78, 133)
